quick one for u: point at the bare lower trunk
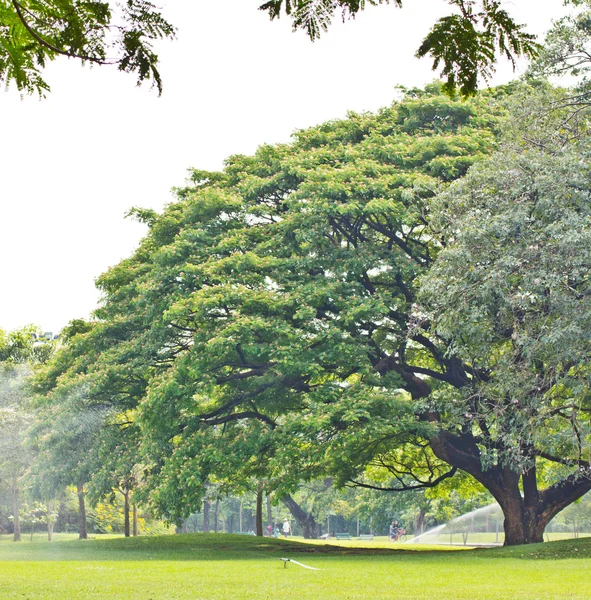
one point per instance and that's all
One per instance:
(310, 527)
(126, 527)
(206, 507)
(420, 525)
(525, 515)
(16, 507)
(259, 512)
(83, 535)
(216, 515)
(136, 529)
(50, 521)
(269, 513)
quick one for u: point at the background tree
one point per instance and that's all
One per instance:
(510, 295)
(20, 351)
(566, 47)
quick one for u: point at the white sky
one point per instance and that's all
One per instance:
(72, 165)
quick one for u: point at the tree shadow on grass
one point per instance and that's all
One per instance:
(558, 550)
(220, 547)
(186, 547)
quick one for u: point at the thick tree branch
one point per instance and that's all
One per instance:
(405, 488)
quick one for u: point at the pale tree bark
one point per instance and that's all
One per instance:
(259, 510)
(420, 524)
(269, 513)
(16, 507)
(216, 515)
(136, 529)
(206, 509)
(126, 524)
(83, 535)
(50, 520)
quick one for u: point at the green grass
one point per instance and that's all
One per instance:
(204, 567)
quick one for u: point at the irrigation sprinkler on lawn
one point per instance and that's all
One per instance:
(286, 560)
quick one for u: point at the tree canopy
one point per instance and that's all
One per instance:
(365, 303)
(269, 307)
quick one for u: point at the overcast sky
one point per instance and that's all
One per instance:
(73, 164)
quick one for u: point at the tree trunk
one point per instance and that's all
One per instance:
(259, 512)
(310, 527)
(216, 515)
(126, 528)
(420, 525)
(136, 529)
(49, 520)
(269, 513)
(16, 508)
(525, 516)
(83, 535)
(206, 507)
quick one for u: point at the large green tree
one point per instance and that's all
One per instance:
(271, 317)
(269, 309)
(510, 296)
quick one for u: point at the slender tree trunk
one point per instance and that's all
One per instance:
(16, 508)
(49, 520)
(240, 515)
(216, 515)
(136, 529)
(83, 535)
(126, 527)
(259, 513)
(206, 508)
(269, 513)
(420, 526)
(310, 527)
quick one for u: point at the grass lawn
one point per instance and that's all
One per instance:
(204, 567)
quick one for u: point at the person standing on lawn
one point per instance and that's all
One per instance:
(286, 528)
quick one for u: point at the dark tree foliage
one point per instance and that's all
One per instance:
(466, 44)
(34, 32)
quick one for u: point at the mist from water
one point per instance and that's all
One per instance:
(485, 520)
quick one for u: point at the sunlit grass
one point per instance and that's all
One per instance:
(219, 567)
